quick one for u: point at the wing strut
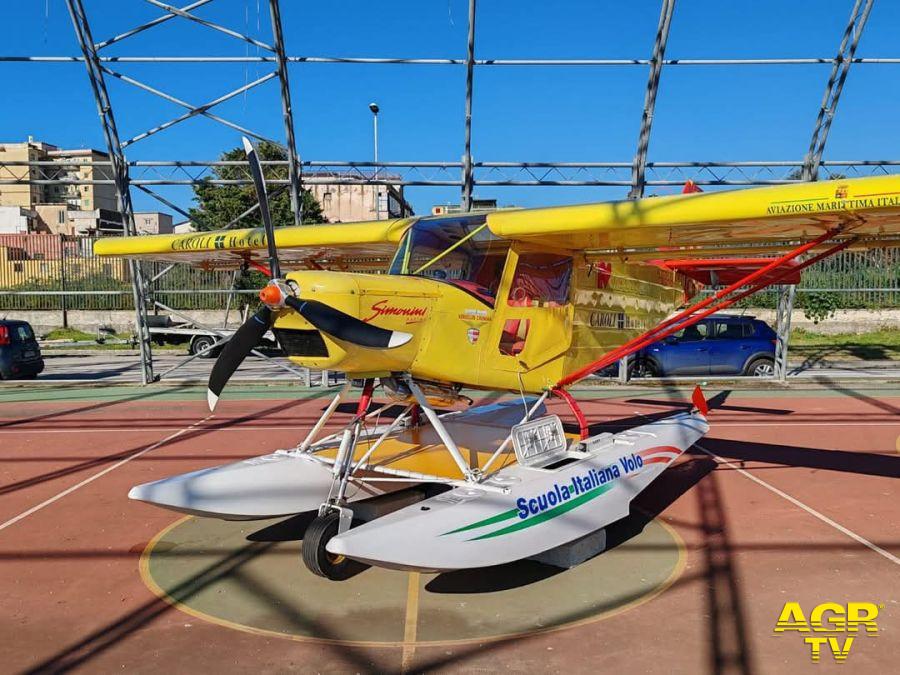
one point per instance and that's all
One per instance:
(761, 278)
(583, 427)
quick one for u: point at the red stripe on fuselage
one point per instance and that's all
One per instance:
(657, 460)
(661, 448)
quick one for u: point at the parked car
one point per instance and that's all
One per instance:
(719, 345)
(20, 355)
(165, 330)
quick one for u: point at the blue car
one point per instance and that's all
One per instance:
(718, 345)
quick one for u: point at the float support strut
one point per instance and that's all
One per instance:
(583, 429)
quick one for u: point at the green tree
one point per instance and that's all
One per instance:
(218, 205)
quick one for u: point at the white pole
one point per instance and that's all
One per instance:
(375, 175)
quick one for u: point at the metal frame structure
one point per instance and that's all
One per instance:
(145, 175)
(637, 175)
(97, 70)
(639, 166)
(120, 175)
(813, 160)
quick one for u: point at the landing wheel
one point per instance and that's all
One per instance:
(317, 559)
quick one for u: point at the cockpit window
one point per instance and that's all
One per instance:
(460, 251)
(541, 280)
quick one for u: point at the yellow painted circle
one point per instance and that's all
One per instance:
(249, 576)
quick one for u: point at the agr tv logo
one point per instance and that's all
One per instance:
(832, 621)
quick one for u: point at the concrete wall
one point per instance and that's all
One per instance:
(152, 222)
(15, 220)
(846, 321)
(354, 203)
(43, 321)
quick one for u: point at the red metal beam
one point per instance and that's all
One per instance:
(260, 267)
(365, 398)
(714, 271)
(576, 410)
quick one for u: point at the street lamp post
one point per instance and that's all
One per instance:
(374, 108)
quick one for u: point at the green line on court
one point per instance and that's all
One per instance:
(120, 393)
(13, 392)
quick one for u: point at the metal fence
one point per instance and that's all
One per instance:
(61, 272)
(864, 279)
(853, 279)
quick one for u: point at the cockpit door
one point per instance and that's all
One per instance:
(533, 320)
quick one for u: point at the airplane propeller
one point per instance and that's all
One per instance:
(278, 294)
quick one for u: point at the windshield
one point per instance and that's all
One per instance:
(460, 251)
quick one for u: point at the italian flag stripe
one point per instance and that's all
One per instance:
(499, 518)
(547, 515)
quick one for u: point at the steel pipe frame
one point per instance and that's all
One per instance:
(287, 113)
(467, 173)
(839, 70)
(813, 160)
(509, 173)
(192, 110)
(280, 72)
(783, 310)
(120, 173)
(209, 24)
(154, 22)
(120, 167)
(416, 182)
(432, 164)
(478, 63)
(659, 50)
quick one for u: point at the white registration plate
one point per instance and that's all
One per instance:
(538, 440)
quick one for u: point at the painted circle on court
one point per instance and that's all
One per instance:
(249, 576)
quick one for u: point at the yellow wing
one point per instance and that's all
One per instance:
(757, 220)
(360, 246)
(736, 221)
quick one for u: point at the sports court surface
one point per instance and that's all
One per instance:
(791, 497)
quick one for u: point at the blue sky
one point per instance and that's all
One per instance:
(520, 113)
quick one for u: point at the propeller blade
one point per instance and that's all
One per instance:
(235, 351)
(260, 184)
(345, 327)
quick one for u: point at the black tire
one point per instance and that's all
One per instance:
(762, 366)
(643, 368)
(201, 342)
(159, 321)
(319, 561)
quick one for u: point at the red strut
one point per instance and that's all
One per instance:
(365, 398)
(573, 405)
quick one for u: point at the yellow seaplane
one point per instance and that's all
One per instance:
(528, 301)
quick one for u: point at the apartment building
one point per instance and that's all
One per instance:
(64, 209)
(358, 201)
